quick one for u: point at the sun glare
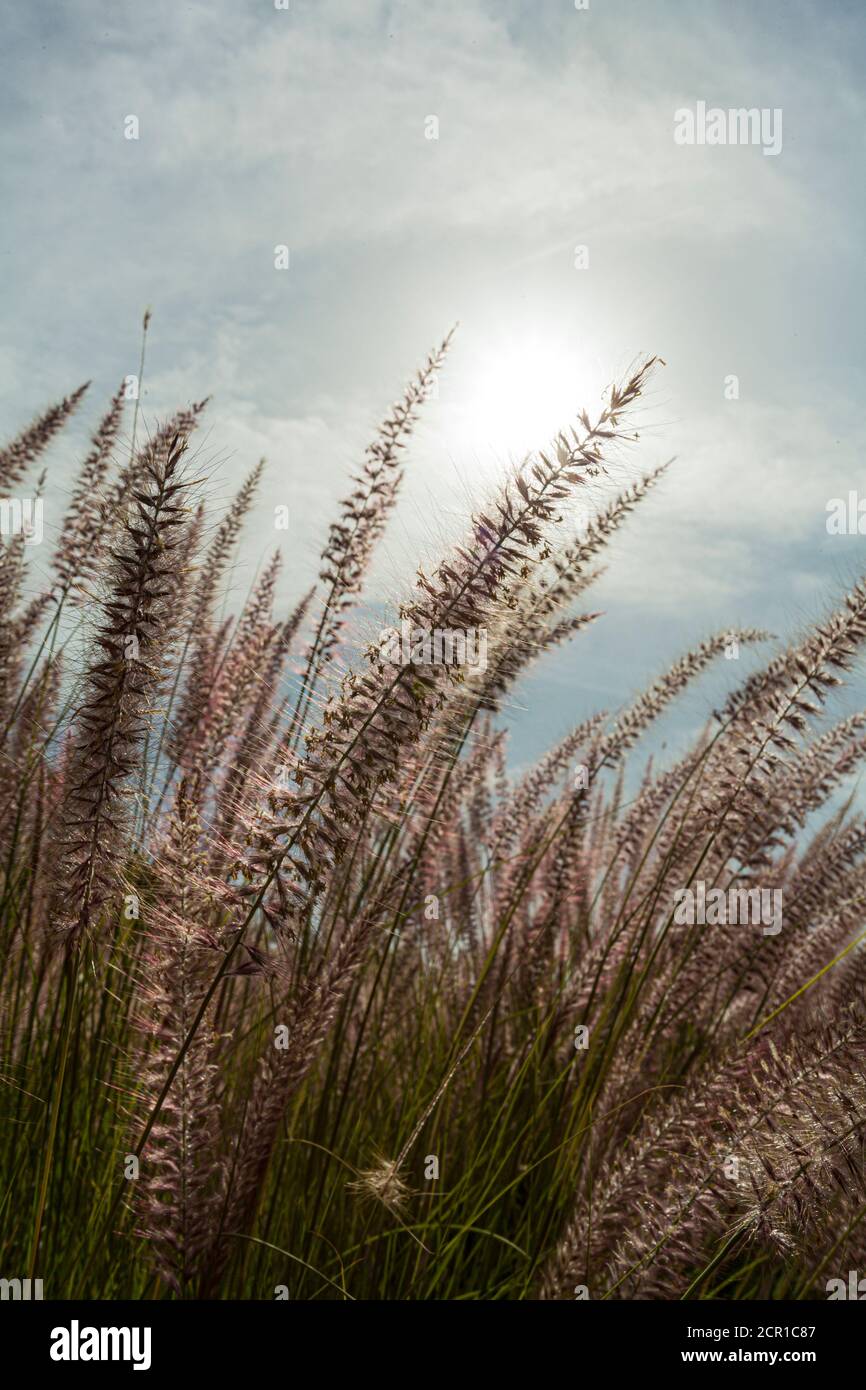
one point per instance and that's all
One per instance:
(523, 394)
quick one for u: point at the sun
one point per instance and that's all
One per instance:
(522, 393)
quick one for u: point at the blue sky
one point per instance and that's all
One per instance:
(306, 127)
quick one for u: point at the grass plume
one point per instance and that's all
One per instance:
(300, 987)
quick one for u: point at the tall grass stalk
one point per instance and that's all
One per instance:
(303, 994)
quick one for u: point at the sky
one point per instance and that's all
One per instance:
(434, 163)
